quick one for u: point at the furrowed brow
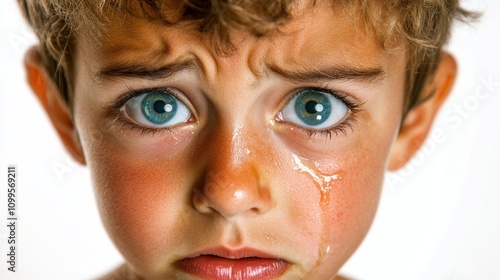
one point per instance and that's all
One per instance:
(368, 75)
(144, 71)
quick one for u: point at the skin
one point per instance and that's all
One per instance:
(234, 174)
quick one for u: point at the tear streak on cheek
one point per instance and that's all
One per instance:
(324, 184)
(348, 189)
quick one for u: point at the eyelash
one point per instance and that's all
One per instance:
(354, 107)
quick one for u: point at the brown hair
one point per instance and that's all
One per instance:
(424, 26)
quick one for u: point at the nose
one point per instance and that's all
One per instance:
(231, 185)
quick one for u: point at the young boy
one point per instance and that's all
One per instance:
(240, 139)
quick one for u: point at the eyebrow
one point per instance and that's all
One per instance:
(143, 71)
(373, 75)
(369, 75)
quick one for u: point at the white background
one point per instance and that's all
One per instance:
(439, 217)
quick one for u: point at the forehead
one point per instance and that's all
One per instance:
(316, 36)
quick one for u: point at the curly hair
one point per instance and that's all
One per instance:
(423, 25)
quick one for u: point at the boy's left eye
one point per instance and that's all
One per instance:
(158, 108)
(314, 109)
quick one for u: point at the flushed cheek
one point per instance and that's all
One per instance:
(354, 200)
(339, 194)
(141, 205)
(137, 180)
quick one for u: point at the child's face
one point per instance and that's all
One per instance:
(244, 164)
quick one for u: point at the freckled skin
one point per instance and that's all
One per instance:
(229, 178)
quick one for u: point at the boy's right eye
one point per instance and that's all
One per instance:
(156, 108)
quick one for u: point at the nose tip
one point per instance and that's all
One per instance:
(232, 193)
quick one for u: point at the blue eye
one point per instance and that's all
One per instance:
(314, 109)
(157, 108)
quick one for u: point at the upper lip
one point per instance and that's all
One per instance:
(224, 252)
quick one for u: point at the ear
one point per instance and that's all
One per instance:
(418, 121)
(48, 95)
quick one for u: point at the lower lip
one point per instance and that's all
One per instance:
(218, 268)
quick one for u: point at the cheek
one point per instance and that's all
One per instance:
(354, 202)
(139, 201)
(355, 197)
(138, 183)
(329, 221)
(344, 217)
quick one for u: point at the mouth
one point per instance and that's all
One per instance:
(226, 264)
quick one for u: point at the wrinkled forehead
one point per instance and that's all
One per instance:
(311, 32)
(217, 19)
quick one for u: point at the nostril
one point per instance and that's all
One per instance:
(255, 210)
(200, 202)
